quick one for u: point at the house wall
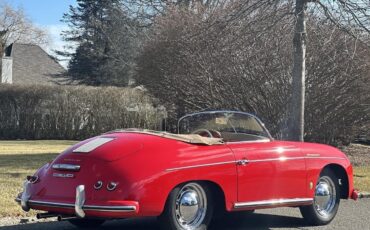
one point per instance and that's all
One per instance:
(7, 70)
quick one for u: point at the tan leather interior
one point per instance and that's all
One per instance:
(188, 138)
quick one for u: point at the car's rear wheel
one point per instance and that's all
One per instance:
(86, 223)
(188, 207)
(326, 201)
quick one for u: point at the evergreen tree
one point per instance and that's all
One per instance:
(104, 36)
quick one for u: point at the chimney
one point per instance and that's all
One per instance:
(7, 70)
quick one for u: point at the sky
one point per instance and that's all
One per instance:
(46, 14)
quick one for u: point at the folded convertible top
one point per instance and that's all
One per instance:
(188, 138)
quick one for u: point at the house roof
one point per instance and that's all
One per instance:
(32, 65)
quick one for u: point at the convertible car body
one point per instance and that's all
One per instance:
(219, 160)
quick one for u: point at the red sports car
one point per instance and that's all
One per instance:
(218, 161)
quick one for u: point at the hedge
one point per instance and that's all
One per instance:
(73, 112)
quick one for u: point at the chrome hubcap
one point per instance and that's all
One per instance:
(191, 206)
(325, 197)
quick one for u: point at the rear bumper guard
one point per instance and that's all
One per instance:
(359, 195)
(79, 205)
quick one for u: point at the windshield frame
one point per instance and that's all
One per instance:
(227, 111)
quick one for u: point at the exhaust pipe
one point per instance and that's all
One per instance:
(63, 218)
(45, 215)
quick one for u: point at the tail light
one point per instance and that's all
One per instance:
(98, 185)
(112, 186)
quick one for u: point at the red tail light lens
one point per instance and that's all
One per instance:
(112, 186)
(98, 185)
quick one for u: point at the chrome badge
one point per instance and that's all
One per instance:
(63, 175)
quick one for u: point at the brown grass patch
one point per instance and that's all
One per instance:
(19, 159)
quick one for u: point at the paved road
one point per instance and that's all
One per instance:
(351, 216)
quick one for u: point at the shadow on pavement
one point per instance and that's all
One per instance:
(257, 221)
(231, 222)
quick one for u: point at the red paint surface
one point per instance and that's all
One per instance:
(139, 163)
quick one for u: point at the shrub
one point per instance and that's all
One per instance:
(70, 112)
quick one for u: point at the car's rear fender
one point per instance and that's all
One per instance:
(222, 178)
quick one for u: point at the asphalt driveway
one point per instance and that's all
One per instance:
(352, 215)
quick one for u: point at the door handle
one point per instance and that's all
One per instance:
(242, 162)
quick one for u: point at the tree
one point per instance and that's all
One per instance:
(160, 6)
(146, 11)
(104, 35)
(16, 27)
(245, 64)
(350, 15)
(297, 101)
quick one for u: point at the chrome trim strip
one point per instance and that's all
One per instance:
(51, 204)
(251, 161)
(201, 165)
(66, 167)
(110, 208)
(277, 159)
(338, 158)
(85, 207)
(243, 142)
(293, 158)
(277, 202)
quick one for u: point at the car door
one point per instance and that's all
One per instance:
(269, 173)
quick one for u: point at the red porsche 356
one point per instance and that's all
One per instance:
(219, 160)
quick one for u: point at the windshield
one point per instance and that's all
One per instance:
(231, 126)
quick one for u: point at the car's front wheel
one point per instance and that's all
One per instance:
(86, 223)
(326, 201)
(188, 207)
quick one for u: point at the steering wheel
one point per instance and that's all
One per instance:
(202, 131)
(215, 133)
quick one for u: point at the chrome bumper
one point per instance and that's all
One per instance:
(360, 195)
(80, 201)
(79, 205)
(25, 196)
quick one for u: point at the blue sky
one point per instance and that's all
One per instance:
(43, 12)
(46, 14)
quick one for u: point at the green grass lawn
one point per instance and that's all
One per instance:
(21, 158)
